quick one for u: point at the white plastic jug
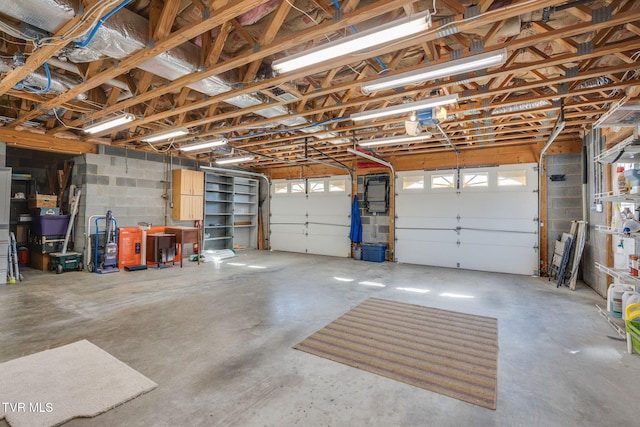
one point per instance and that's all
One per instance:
(614, 298)
(629, 297)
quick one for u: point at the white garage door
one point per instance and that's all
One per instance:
(311, 216)
(488, 224)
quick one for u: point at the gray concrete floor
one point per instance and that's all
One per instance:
(217, 338)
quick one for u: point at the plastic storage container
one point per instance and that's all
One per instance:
(373, 251)
(50, 225)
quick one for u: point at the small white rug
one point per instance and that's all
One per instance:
(75, 380)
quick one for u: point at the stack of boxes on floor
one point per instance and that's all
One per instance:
(48, 230)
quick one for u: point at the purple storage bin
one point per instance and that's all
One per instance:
(50, 225)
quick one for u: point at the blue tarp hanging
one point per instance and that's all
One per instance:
(356, 222)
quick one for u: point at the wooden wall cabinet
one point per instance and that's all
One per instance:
(188, 195)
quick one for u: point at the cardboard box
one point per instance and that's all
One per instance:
(42, 201)
(39, 261)
(22, 233)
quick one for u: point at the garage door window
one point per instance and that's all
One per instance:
(413, 182)
(280, 188)
(316, 186)
(337, 185)
(297, 187)
(443, 181)
(475, 179)
(515, 178)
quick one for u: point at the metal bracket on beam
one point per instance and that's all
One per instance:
(256, 47)
(448, 27)
(477, 46)
(601, 15)
(472, 11)
(337, 16)
(455, 54)
(585, 48)
(563, 89)
(206, 13)
(572, 72)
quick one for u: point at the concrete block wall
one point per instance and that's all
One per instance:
(564, 198)
(375, 228)
(134, 185)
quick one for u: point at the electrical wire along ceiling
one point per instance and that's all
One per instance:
(274, 83)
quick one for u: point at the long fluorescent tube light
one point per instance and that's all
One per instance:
(234, 160)
(201, 145)
(386, 33)
(393, 140)
(451, 68)
(108, 124)
(405, 108)
(165, 135)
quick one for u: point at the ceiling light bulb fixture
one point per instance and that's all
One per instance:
(450, 68)
(386, 33)
(165, 135)
(204, 144)
(234, 160)
(405, 108)
(394, 140)
(111, 123)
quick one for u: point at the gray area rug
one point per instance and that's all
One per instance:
(75, 380)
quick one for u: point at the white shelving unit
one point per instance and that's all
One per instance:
(230, 212)
(218, 212)
(627, 151)
(245, 213)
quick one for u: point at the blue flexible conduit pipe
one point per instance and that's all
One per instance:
(21, 85)
(102, 20)
(355, 31)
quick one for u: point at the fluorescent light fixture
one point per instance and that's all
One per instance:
(383, 34)
(450, 68)
(111, 123)
(205, 144)
(394, 140)
(405, 108)
(165, 135)
(234, 160)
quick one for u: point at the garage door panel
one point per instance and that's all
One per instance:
(288, 237)
(516, 240)
(328, 240)
(495, 257)
(427, 248)
(502, 205)
(515, 225)
(333, 220)
(432, 206)
(425, 223)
